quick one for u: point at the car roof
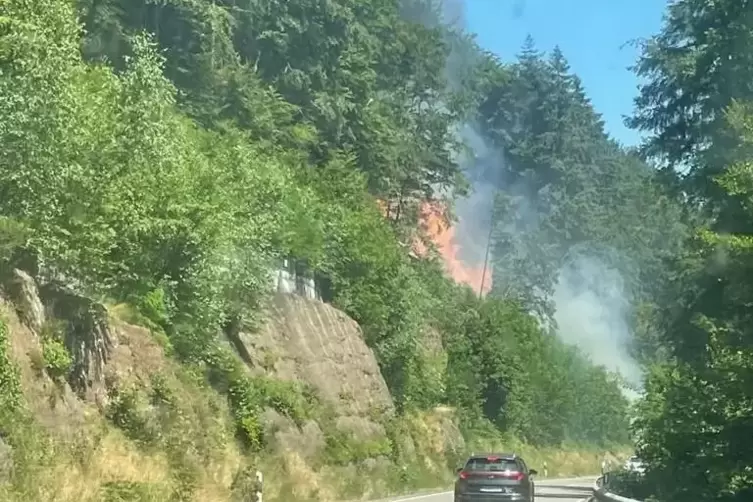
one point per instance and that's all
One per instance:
(501, 456)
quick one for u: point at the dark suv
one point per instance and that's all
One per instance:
(495, 478)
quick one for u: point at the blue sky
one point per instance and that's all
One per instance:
(591, 33)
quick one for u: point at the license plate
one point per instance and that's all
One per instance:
(493, 490)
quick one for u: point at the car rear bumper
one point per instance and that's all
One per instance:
(489, 497)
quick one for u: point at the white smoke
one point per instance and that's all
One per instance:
(592, 306)
(593, 312)
(483, 170)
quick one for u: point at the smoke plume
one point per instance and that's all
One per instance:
(592, 312)
(592, 306)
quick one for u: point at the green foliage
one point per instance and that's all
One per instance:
(693, 424)
(342, 449)
(153, 305)
(12, 239)
(245, 401)
(126, 411)
(629, 484)
(195, 144)
(567, 187)
(503, 368)
(121, 491)
(56, 359)
(699, 61)
(10, 393)
(249, 395)
(291, 399)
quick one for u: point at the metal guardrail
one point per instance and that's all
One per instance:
(601, 493)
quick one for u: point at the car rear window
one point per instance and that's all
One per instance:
(491, 464)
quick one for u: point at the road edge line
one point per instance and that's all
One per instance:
(408, 498)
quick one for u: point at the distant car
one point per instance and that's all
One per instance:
(634, 464)
(495, 478)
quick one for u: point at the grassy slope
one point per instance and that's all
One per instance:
(166, 435)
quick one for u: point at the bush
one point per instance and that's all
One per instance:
(126, 410)
(56, 359)
(129, 491)
(10, 387)
(342, 449)
(629, 484)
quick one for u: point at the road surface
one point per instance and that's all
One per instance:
(549, 490)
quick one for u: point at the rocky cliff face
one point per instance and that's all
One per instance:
(103, 353)
(313, 343)
(302, 340)
(121, 392)
(81, 324)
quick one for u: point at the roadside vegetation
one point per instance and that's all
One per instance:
(694, 424)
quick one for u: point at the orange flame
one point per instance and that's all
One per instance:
(435, 226)
(442, 234)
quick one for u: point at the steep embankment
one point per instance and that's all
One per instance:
(104, 413)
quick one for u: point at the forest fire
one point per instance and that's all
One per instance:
(436, 227)
(442, 234)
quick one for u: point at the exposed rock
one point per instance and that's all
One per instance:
(359, 426)
(308, 441)
(88, 338)
(273, 422)
(454, 443)
(404, 446)
(312, 342)
(303, 340)
(87, 334)
(22, 289)
(372, 464)
(431, 341)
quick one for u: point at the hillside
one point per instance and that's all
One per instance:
(482, 266)
(162, 162)
(120, 420)
(117, 419)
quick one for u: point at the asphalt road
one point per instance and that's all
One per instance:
(549, 490)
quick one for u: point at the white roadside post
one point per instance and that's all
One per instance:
(259, 486)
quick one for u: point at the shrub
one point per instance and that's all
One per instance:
(10, 387)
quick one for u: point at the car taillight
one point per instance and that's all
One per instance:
(514, 475)
(463, 475)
